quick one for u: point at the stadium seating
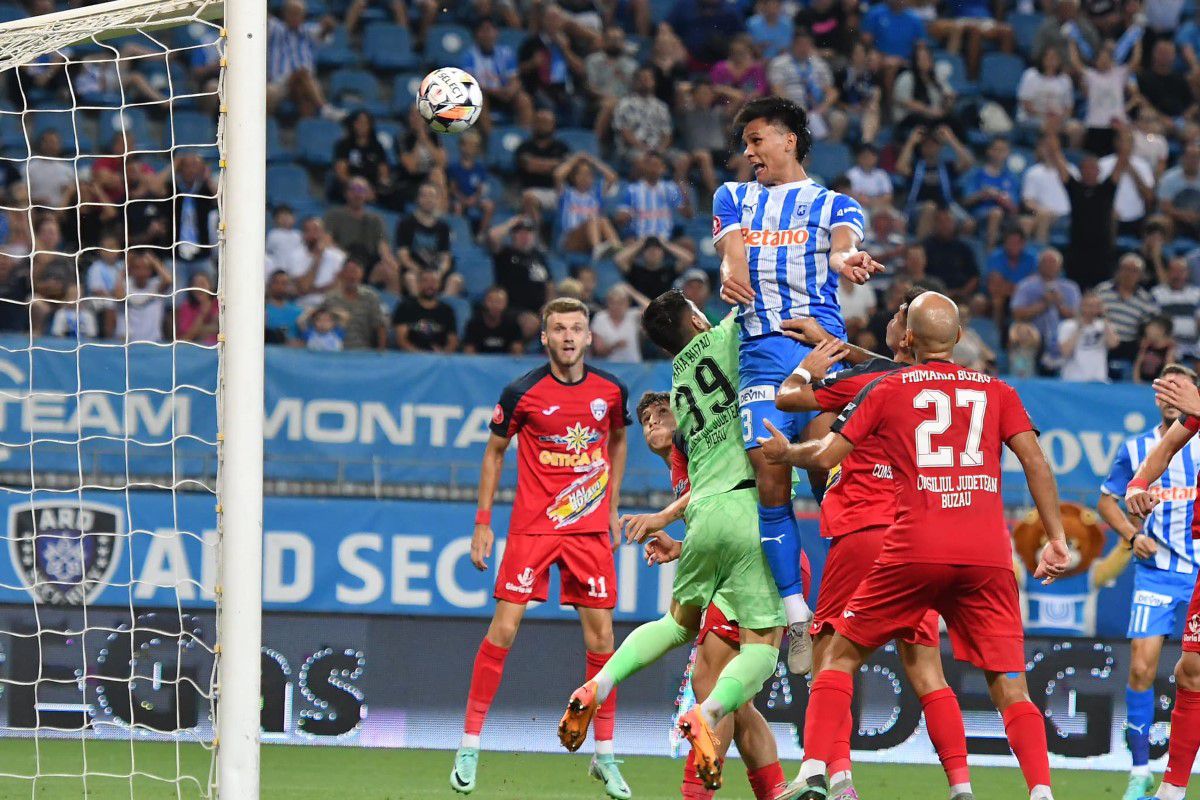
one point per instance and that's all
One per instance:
(337, 51)
(999, 75)
(193, 129)
(830, 159)
(356, 89)
(285, 182)
(1024, 29)
(502, 144)
(317, 138)
(446, 45)
(389, 47)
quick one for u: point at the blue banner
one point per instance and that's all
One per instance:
(392, 418)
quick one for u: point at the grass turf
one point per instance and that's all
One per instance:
(321, 773)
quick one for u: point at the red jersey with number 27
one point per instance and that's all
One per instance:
(562, 432)
(943, 428)
(861, 493)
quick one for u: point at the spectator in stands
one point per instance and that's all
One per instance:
(1135, 186)
(424, 322)
(894, 30)
(951, 259)
(650, 205)
(494, 65)
(858, 304)
(121, 171)
(324, 329)
(588, 282)
(741, 76)
(143, 288)
(1148, 139)
(537, 160)
(932, 180)
(770, 29)
(991, 192)
(923, 98)
(359, 232)
(1128, 307)
(1066, 25)
(1043, 192)
(1085, 342)
(803, 76)
(858, 87)
(74, 320)
(357, 308)
(1007, 266)
(49, 174)
(360, 154)
(1092, 249)
(1024, 344)
(1104, 87)
(706, 27)
(1043, 300)
(1153, 249)
(668, 61)
(399, 12)
(469, 184)
(641, 122)
(420, 158)
(609, 73)
(195, 200)
(292, 43)
(1045, 92)
(885, 240)
(285, 244)
(1156, 349)
(548, 64)
(616, 331)
(1179, 192)
(971, 351)
(703, 126)
(651, 264)
(1166, 88)
(101, 281)
(423, 240)
(870, 185)
(316, 269)
(582, 225)
(968, 25)
(1179, 300)
(521, 269)
(492, 329)
(97, 81)
(282, 312)
(197, 317)
(830, 26)
(695, 285)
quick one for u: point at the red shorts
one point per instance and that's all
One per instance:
(716, 623)
(1191, 625)
(586, 571)
(980, 606)
(850, 559)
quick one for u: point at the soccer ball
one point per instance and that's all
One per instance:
(450, 100)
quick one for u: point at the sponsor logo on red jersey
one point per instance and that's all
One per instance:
(497, 415)
(580, 498)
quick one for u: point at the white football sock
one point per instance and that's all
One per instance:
(470, 740)
(1041, 792)
(604, 747)
(839, 777)
(604, 685)
(1167, 791)
(960, 788)
(796, 609)
(810, 767)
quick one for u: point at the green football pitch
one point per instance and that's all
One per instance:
(342, 773)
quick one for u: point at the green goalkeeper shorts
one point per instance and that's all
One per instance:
(722, 561)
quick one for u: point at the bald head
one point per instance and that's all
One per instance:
(933, 327)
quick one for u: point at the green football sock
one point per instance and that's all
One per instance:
(645, 645)
(740, 680)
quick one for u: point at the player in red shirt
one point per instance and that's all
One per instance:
(719, 637)
(942, 428)
(858, 507)
(570, 421)
(1177, 391)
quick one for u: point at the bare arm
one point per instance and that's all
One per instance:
(489, 479)
(1040, 479)
(816, 454)
(639, 526)
(847, 260)
(1114, 516)
(618, 449)
(735, 270)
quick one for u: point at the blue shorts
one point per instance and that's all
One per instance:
(1160, 599)
(764, 364)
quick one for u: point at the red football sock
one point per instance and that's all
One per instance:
(485, 680)
(839, 760)
(606, 715)
(693, 788)
(1185, 737)
(828, 709)
(765, 780)
(1026, 729)
(944, 723)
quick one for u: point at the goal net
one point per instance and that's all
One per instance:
(129, 489)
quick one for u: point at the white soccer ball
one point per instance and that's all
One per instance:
(449, 100)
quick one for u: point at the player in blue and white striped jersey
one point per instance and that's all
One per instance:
(1164, 575)
(784, 241)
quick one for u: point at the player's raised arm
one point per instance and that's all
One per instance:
(845, 258)
(817, 454)
(1138, 499)
(618, 448)
(727, 238)
(807, 330)
(796, 393)
(1044, 490)
(489, 479)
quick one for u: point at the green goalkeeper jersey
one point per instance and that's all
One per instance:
(704, 379)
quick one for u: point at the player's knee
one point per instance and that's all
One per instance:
(925, 678)
(1141, 674)
(1007, 689)
(503, 632)
(598, 641)
(1187, 672)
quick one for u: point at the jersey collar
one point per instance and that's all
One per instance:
(791, 185)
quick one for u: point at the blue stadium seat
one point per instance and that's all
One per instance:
(134, 121)
(317, 137)
(999, 74)
(501, 146)
(513, 37)
(388, 47)
(337, 52)
(952, 68)
(404, 93)
(462, 312)
(276, 150)
(356, 88)
(191, 129)
(285, 182)
(475, 266)
(446, 45)
(661, 9)
(830, 159)
(580, 139)
(390, 218)
(10, 12)
(1025, 27)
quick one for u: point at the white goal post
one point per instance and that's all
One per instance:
(239, 175)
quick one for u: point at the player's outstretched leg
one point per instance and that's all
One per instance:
(605, 766)
(645, 645)
(1144, 652)
(1025, 727)
(779, 534)
(1185, 719)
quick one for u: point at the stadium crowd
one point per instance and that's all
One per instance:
(1041, 165)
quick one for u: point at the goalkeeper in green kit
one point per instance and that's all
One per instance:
(721, 561)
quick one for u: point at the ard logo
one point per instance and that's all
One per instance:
(65, 553)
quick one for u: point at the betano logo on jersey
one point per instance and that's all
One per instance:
(1172, 494)
(774, 238)
(577, 439)
(580, 498)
